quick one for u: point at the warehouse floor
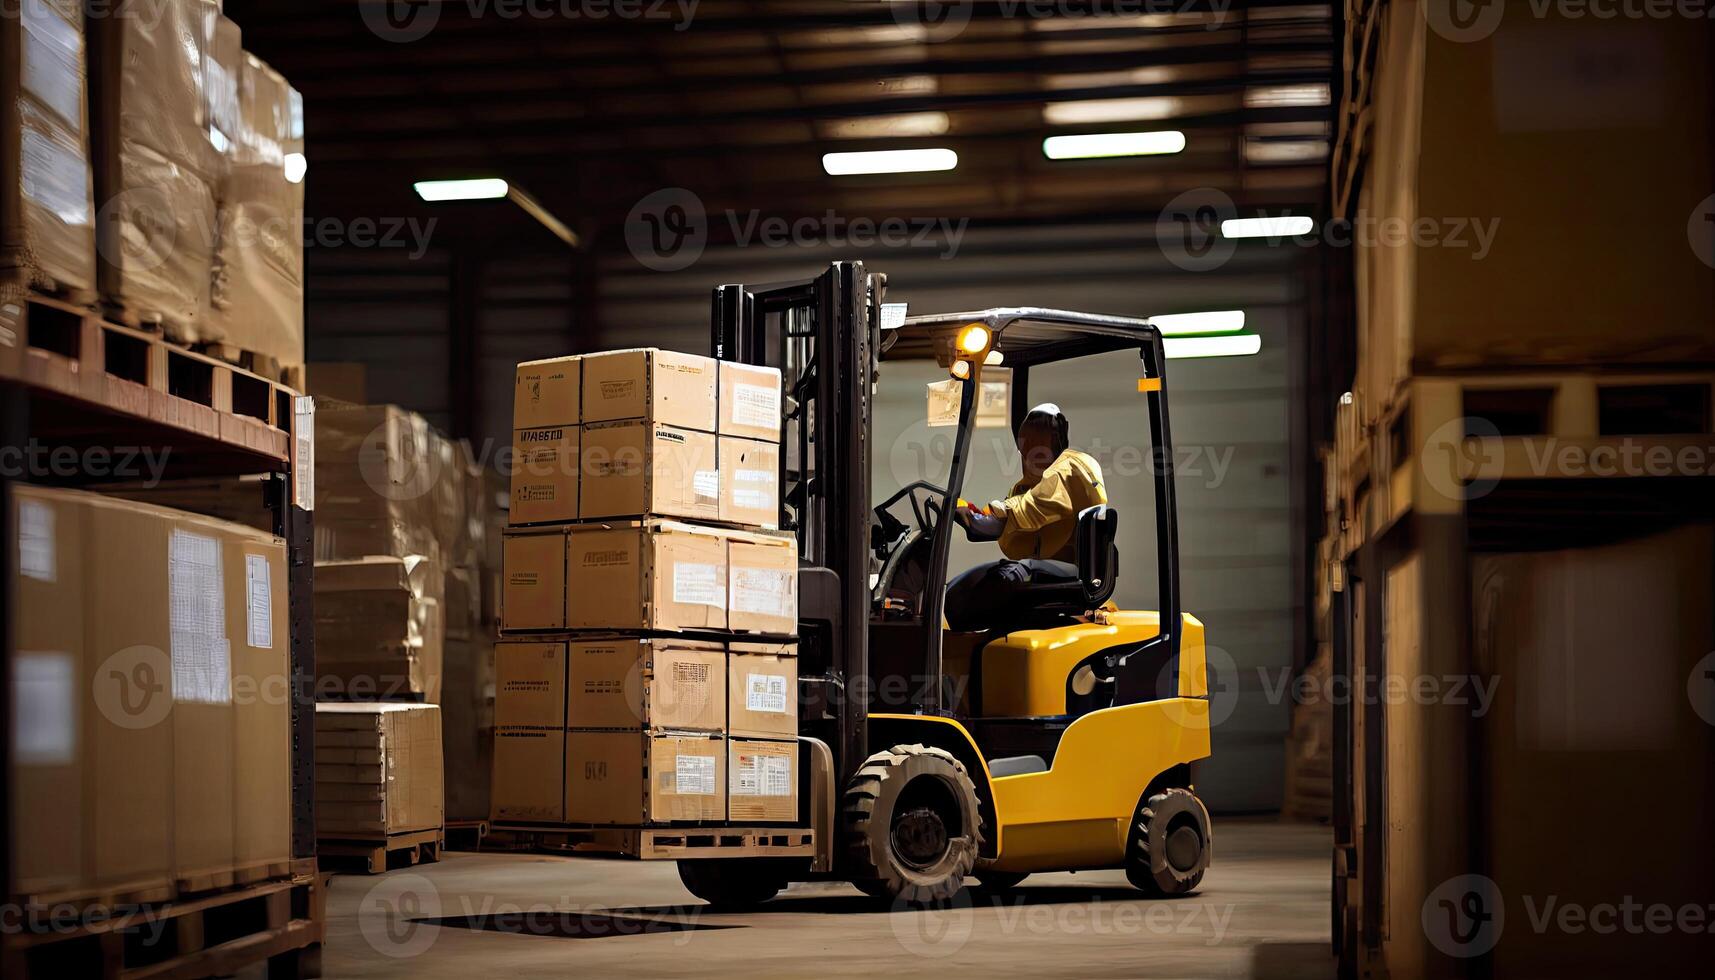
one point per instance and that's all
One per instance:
(1262, 912)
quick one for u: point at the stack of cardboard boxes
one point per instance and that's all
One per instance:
(649, 674)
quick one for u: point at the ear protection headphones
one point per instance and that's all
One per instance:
(1049, 414)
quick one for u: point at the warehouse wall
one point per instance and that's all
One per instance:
(1231, 416)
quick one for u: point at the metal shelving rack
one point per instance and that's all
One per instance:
(69, 378)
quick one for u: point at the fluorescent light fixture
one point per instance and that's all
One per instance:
(1235, 345)
(1111, 110)
(296, 167)
(1211, 321)
(1287, 96)
(1089, 146)
(897, 124)
(480, 189)
(889, 161)
(1285, 226)
(1284, 151)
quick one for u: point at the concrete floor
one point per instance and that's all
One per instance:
(1262, 912)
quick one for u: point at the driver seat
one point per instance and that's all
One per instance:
(1098, 561)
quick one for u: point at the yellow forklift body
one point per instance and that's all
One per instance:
(1024, 673)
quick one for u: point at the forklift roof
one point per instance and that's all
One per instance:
(1025, 334)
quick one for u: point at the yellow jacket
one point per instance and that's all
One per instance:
(1041, 517)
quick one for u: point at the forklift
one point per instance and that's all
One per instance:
(929, 755)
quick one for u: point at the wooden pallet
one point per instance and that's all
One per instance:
(280, 921)
(474, 831)
(670, 843)
(265, 365)
(66, 351)
(417, 847)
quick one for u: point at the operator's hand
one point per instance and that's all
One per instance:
(980, 525)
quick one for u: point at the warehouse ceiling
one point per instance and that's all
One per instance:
(590, 111)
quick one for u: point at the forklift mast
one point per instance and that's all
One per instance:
(823, 334)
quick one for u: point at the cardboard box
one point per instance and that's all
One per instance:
(763, 681)
(144, 737)
(546, 393)
(533, 587)
(762, 781)
(750, 482)
(660, 386)
(653, 684)
(763, 583)
(636, 469)
(750, 401)
(379, 628)
(632, 778)
(529, 775)
(47, 215)
(545, 475)
(646, 575)
(378, 769)
(530, 685)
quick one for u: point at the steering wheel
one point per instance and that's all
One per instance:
(925, 499)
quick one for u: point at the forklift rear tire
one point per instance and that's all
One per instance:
(732, 884)
(1170, 843)
(912, 825)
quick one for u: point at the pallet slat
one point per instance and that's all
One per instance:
(669, 843)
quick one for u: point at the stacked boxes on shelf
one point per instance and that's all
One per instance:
(378, 770)
(649, 674)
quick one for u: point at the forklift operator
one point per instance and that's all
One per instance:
(1034, 526)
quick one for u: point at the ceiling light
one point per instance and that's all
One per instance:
(296, 167)
(1287, 96)
(1111, 110)
(889, 161)
(1285, 226)
(480, 189)
(1211, 321)
(1091, 145)
(898, 124)
(1237, 345)
(1284, 151)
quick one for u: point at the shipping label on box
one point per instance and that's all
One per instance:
(634, 469)
(546, 393)
(750, 482)
(653, 385)
(545, 475)
(762, 679)
(652, 683)
(762, 589)
(533, 593)
(750, 401)
(763, 782)
(652, 575)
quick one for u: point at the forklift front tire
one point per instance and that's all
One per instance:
(731, 884)
(912, 825)
(1170, 841)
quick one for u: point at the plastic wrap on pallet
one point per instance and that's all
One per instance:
(380, 629)
(377, 470)
(257, 285)
(47, 218)
(156, 163)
